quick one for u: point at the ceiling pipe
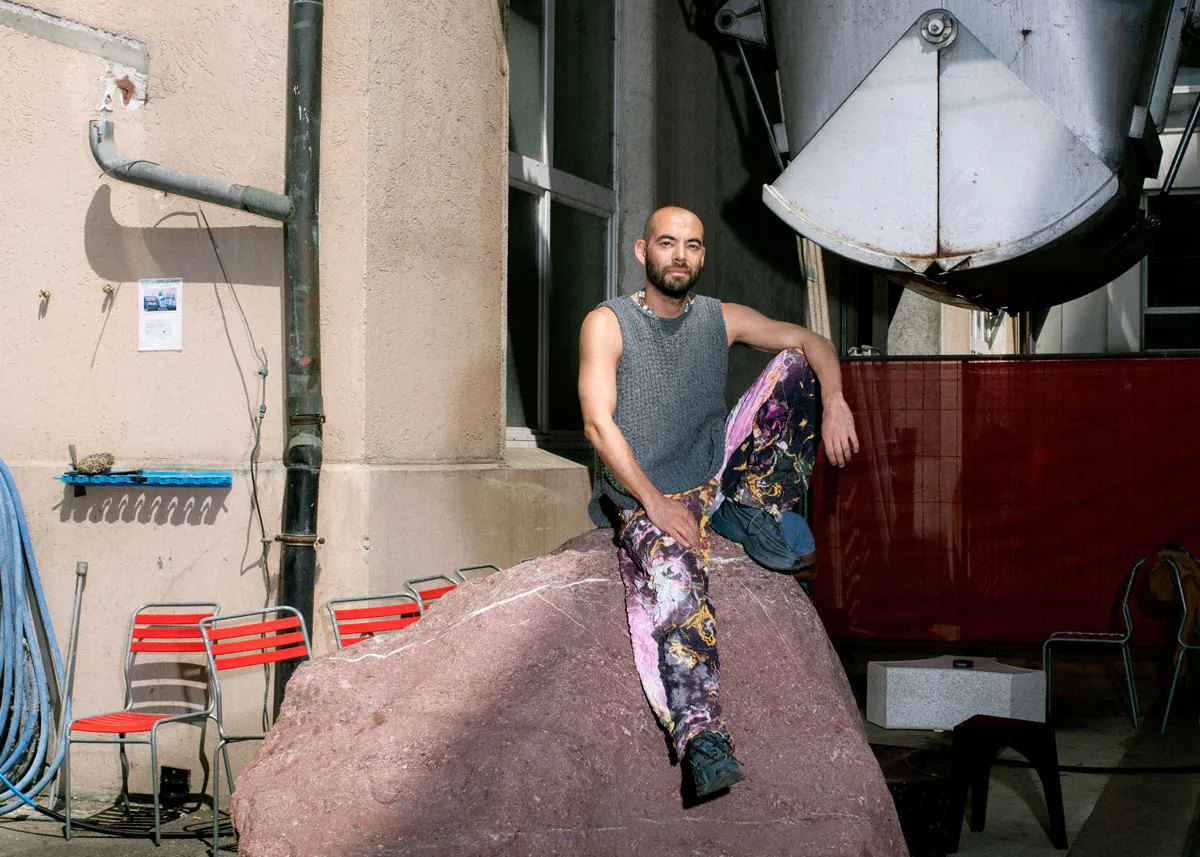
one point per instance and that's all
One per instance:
(297, 210)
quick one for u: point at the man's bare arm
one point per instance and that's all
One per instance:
(599, 355)
(752, 328)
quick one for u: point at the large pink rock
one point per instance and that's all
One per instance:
(510, 721)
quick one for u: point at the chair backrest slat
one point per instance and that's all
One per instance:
(268, 641)
(435, 593)
(261, 658)
(402, 609)
(137, 646)
(228, 632)
(169, 618)
(167, 633)
(377, 625)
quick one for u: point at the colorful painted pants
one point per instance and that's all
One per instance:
(770, 445)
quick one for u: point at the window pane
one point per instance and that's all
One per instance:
(1172, 281)
(1180, 104)
(522, 309)
(525, 77)
(579, 262)
(583, 84)
(1173, 260)
(1173, 332)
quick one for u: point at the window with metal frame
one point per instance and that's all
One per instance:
(1170, 294)
(1171, 308)
(562, 205)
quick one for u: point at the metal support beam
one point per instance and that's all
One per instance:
(1173, 170)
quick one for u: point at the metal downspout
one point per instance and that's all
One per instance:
(297, 209)
(301, 308)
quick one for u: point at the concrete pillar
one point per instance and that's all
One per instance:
(916, 327)
(637, 124)
(435, 199)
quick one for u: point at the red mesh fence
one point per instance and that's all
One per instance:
(997, 501)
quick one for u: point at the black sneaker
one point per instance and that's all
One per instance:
(712, 763)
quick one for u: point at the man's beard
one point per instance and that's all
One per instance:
(676, 289)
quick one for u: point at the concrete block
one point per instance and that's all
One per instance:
(933, 694)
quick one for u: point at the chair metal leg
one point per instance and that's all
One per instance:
(228, 770)
(1171, 695)
(1047, 667)
(1134, 705)
(124, 774)
(154, 787)
(66, 775)
(216, 807)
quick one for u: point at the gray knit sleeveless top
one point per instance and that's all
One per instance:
(670, 399)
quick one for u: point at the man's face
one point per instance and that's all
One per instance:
(674, 253)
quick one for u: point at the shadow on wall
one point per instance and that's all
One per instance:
(166, 505)
(743, 212)
(253, 255)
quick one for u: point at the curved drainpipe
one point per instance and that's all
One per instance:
(297, 209)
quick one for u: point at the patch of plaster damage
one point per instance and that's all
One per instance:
(123, 87)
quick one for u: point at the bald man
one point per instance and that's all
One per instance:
(652, 373)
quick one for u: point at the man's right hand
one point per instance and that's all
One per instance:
(676, 521)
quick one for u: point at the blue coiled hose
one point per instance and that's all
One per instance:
(31, 748)
(33, 744)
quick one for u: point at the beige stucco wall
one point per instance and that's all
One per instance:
(437, 160)
(413, 188)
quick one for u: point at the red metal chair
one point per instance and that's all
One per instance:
(236, 641)
(459, 572)
(429, 594)
(388, 612)
(158, 691)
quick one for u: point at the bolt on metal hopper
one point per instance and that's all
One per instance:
(987, 153)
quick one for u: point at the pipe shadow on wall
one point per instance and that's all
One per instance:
(252, 255)
(144, 505)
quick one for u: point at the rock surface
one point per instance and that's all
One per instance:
(510, 721)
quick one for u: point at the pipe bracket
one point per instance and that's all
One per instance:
(303, 540)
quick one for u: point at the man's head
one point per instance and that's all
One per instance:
(672, 250)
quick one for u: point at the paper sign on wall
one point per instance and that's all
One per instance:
(160, 315)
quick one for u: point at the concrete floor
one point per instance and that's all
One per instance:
(1122, 815)
(1107, 815)
(30, 835)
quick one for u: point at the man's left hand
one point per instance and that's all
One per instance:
(837, 431)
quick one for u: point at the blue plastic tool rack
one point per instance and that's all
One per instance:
(174, 478)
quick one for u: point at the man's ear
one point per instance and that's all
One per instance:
(639, 250)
